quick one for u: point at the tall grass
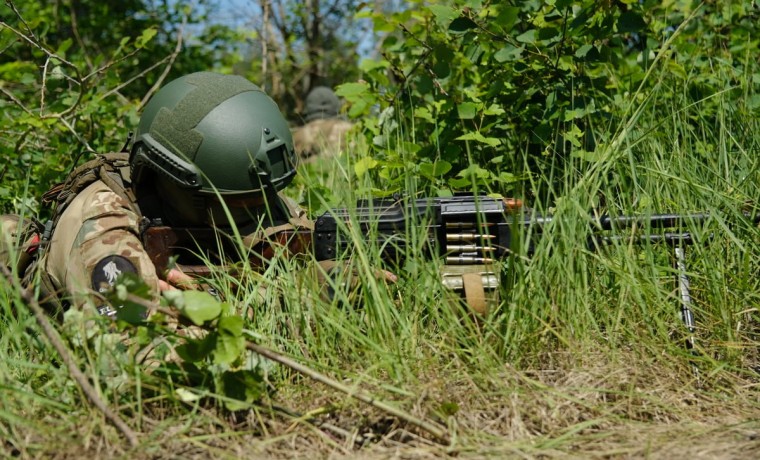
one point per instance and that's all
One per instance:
(558, 308)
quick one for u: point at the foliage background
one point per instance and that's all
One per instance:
(454, 92)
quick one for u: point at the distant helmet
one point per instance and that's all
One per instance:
(208, 135)
(321, 103)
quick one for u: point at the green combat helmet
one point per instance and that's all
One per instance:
(207, 136)
(321, 103)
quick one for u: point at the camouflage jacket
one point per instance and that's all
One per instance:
(321, 138)
(96, 238)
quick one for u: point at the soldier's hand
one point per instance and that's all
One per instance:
(176, 279)
(385, 275)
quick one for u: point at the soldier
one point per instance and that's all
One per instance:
(324, 133)
(209, 148)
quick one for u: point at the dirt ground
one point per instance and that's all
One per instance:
(594, 408)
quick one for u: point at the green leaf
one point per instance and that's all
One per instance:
(368, 65)
(132, 313)
(467, 110)
(64, 46)
(508, 53)
(351, 90)
(443, 14)
(129, 284)
(194, 350)
(753, 102)
(630, 21)
(146, 36)
(358, 107)
(677, 69)
(442, 68)
(449, 408)
(527, 36)
(477, 137)
(243, 386)
(507, 17)
(424, 113)
(363, 165)
(461, 25)
(174, 298)
(460, 182)
(508, 178)
(573, 136)
(437, 169)
(230, 342)
(380, 25)
(548, 33)
(30, 120)
(186, 395)
(231, 325)
(474, 171)
(494, 109)
(583, 51)
(56, 73)
(200, 306)
(573, 114)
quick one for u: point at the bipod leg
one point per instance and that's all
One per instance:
(684, 292)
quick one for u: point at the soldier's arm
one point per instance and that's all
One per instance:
(96, 240)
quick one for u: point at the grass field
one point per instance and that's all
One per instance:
(583, 357)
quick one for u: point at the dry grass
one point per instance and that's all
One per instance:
(585, 405)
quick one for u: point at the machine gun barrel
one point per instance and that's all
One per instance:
(653, 221)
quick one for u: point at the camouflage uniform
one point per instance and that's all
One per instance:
(13, 251)
(96, 238)
(321, 139)
(324, 134)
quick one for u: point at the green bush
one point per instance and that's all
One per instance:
(494, 93)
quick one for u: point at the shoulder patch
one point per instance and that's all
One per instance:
(109, 268)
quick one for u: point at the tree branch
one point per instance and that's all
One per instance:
(172, 57)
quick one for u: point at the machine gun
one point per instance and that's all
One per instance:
(470, 233)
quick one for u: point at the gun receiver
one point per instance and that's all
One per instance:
(464, 229)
